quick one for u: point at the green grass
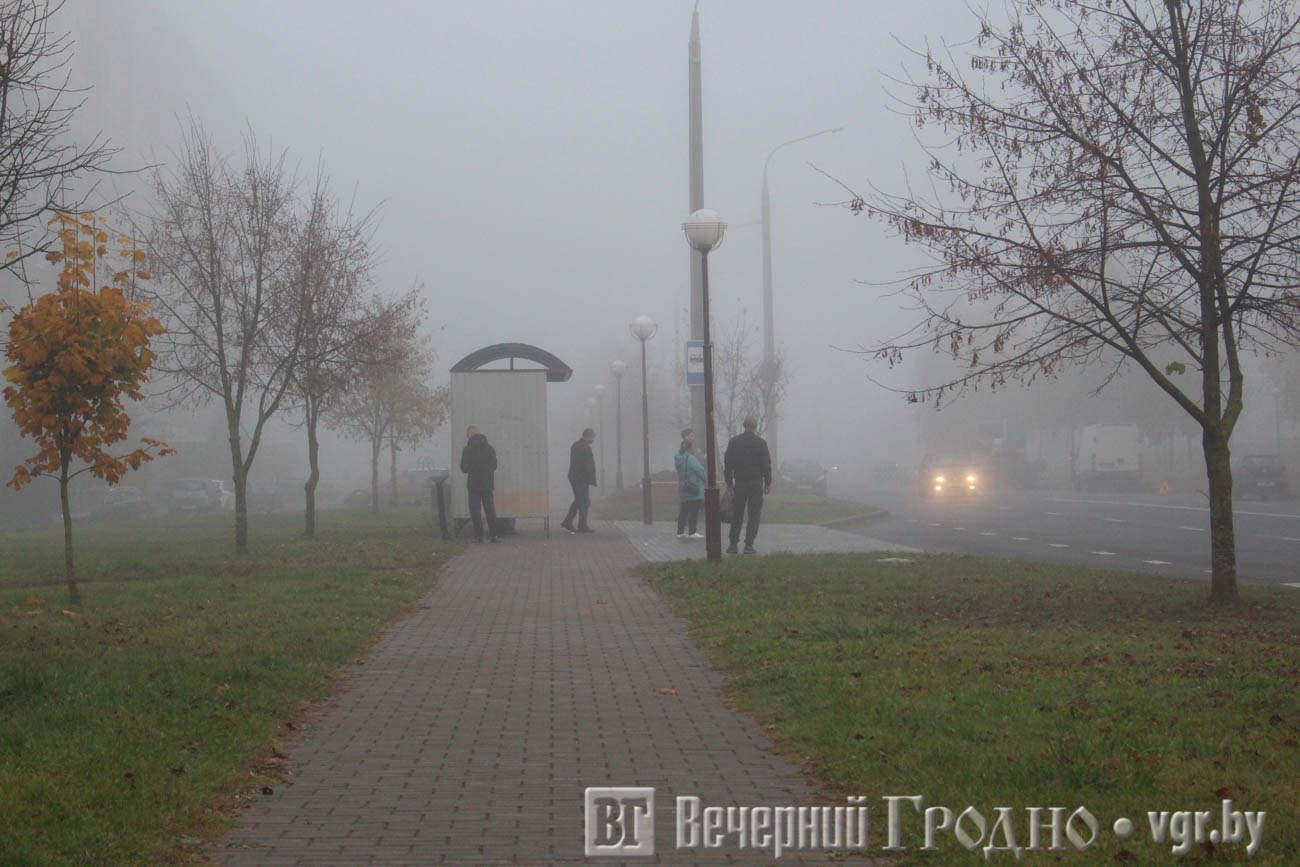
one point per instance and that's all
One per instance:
(129, 723)
(984, 683)
(777, 509)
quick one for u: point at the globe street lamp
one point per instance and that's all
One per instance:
(618, 368)
(600, 421)
(643, 328)
(770, 364)
(704, 230)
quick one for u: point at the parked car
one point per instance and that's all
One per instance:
(122, 503)
(194, 497)
(1261, 475)
(950, 475)
(803, 476)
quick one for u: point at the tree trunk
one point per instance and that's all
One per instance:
(1223, 545)
(376, 446)
(313, 455)
(392, 470)
(240, 476)
(70, 572)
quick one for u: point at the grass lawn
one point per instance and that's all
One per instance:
(984, 683)
(777, 509)
(129, 722)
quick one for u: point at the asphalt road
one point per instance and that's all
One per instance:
(1114, 530)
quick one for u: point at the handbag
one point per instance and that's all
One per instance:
(725, 505)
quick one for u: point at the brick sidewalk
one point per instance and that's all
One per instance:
(470, 731)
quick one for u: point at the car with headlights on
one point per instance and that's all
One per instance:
(950, 475)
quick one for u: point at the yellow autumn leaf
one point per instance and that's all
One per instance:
(31, 600)
(68, 613)
(33, 612)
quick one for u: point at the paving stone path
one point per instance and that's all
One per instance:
(470, 731)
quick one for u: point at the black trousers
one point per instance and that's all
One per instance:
(748, 495)
(483, 499)
(581, 503)
(688, 516)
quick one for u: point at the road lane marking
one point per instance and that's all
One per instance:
(1055, 514)
(1058, 544)
(1193, 529)
(994, 534)
(960, 529)
(1114, 520)
(1020, 538)
(1104, 553)
(1168, 506)
(1289, 539)
(1296, 586)
(1158, 562)
(934, 524)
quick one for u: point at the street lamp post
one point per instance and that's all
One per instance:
(600, 421)
(618, 368)
(770, 368)
(704, 230)
(643, 328)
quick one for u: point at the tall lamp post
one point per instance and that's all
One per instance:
(769, 337)
(643, 328)
(618, 368)
(704, 230)
(600, 421)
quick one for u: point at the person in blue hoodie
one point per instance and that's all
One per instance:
(690, 487)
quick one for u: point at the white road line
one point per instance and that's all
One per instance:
(1058, 544)
(1296, 586)
(1104, 553)
(1193, 529)
(1054, 514)
(960, 529)
(1168, 506)
(1158, 562)
(994, 534)
(1289, 539)
(1020, 538)
(1114, 520)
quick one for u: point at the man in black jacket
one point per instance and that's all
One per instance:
(582, 475)
(747, 468)
(478, 460)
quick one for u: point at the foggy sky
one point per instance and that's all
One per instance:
(529, 160)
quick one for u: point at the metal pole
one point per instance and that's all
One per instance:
(712, 510)
(600, 422)
(647, 509)
(769, 337)
(618, 475)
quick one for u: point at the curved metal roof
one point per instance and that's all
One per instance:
(556, 370)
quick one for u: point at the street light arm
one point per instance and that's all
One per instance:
(783, 144)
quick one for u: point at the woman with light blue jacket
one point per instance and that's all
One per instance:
(690, 487)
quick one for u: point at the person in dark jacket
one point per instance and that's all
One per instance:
(478, 460)
(747, 469)
(582, 475)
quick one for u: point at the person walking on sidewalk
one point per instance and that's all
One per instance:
(478, 460)
(690, 487)
(582, 475)
(747, 468)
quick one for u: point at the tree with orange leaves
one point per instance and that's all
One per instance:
(75, 354)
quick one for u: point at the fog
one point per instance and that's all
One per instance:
(529, 164)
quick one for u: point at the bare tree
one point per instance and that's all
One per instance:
(329, 270)
(1121, 187)
(392, 366)
(40, 164)
(222, 242)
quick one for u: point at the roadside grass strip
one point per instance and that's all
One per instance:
(988, 683)
(132, 725)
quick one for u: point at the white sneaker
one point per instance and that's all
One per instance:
(695, 536)
(681, 536)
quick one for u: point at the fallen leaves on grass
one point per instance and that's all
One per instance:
(666, 690)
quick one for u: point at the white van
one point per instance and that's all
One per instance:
(1107, 456)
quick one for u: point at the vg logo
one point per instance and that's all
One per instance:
(619, 821)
